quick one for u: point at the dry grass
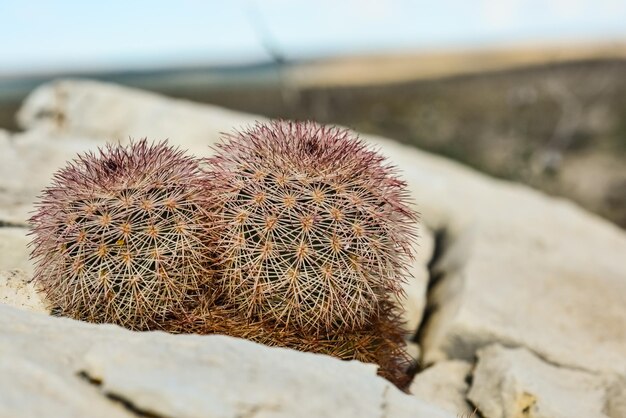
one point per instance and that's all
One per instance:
(390, 68)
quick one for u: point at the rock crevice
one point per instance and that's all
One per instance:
(126, 403)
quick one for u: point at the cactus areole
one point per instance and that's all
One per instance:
(120, 236)
(315, 230)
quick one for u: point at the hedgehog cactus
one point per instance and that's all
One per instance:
(314, 228)
(121, 235)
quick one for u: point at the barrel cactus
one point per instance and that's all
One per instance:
(121, 235)
(314, 228)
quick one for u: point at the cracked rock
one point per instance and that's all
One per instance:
(518, 268)
(13, 251)
(163, 375)
(414, 300)
(32, 389)
(514, 383)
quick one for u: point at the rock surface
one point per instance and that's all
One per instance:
(511, 383)
(531, 272)
(27, 162)
(74, 369)
(13, 252)
(414, 299)
(114, 113)
(445, 384)
(18, 290)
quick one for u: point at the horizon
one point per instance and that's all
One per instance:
(94, 36)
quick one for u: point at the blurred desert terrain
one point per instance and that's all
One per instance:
(552, 116)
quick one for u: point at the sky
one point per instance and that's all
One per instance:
(82, 35)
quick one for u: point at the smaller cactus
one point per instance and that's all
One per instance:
(315, 229)
(120, 236)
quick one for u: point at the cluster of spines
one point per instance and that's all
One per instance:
(120, 236)
(315, 231)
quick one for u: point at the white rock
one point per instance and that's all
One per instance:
(32, 390)
(180, 375)
(510, 383)
(27, 163)
(13, 252)
(444, 384)
(425, 245)
(413, 301)
(113, 113)
(18, 290)
(517, 267)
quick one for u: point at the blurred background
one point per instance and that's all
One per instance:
(531, 91)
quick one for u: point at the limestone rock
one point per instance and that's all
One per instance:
(70, 368)
(18, 290)
(511, 383)
(13, 251)
(413, 301)
(113, 113)
(444, 384)
(27, 163)
(30, 389)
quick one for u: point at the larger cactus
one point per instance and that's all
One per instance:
(121, 235)
(314, 227)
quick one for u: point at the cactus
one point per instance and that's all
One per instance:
(315, 231)
(120, 236)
